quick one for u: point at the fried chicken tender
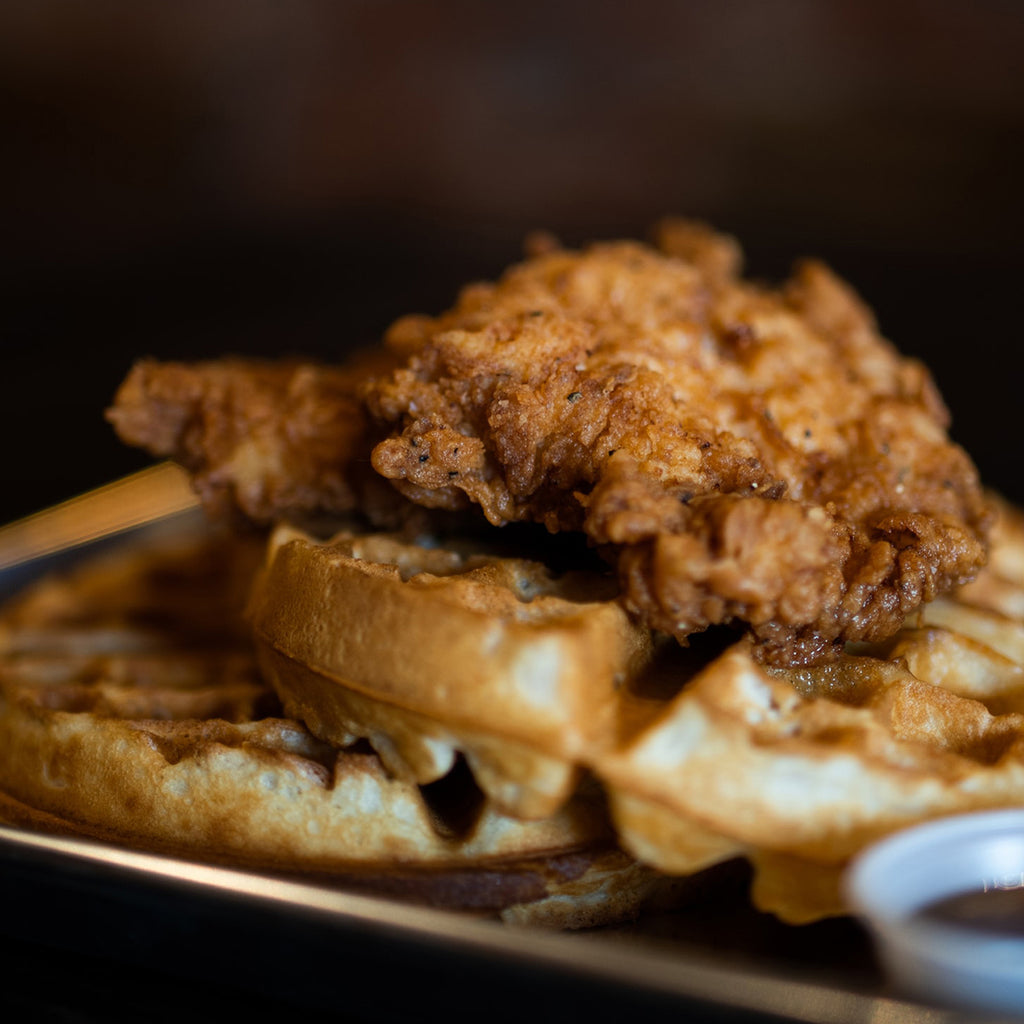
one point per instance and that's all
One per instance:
(268, 439)
(743, 454)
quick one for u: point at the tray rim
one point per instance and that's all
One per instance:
(645, 966)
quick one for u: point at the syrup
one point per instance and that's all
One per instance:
(996, 911)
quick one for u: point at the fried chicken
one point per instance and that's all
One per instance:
(268, 439)
(742, 454)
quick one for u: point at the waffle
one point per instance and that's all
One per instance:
(491, 657)
(132, 711)
(706, 755)
(798, 770)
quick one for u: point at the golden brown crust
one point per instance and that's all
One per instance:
(741, 453)
(749, 454)
(261, 437)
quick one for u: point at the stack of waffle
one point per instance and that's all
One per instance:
(472, 730)
(704, 756)
(132, 710)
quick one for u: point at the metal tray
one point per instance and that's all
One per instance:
(95, 932)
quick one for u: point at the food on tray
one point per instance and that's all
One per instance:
(799, 769)
(620, 529)
(132, 710)
(796, 769)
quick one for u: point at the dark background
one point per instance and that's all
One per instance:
(193, 178)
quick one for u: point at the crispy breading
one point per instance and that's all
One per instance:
(744, 454)
(266, 438)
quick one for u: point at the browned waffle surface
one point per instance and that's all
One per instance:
(800, 769)
(454, 727)
(428, 653)
(132, 710)
(704, 755)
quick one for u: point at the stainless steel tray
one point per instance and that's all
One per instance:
(168, 936)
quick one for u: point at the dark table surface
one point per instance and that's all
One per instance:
(133, 938)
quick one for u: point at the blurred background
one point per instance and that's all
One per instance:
(194, 178)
